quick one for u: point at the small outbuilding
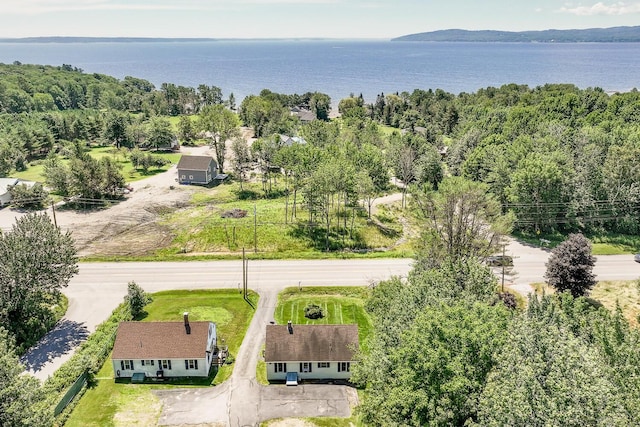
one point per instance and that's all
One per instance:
(196, 169)
(321, 352)
(164, 349)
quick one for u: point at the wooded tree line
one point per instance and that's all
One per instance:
(28, 88)
(559, 157)
(445, 351)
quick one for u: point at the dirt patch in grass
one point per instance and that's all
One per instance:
(136, 239)
(141, 411)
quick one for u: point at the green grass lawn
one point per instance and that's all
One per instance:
(111, 403)
(203, 229)
(341, 306)
(35, 171)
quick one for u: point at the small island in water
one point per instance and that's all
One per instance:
(590, 35)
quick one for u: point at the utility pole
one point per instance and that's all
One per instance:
(53, 209)
(503, 264)
(244, 274)
(255, 229)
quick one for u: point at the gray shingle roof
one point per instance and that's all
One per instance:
(195, 163)
(327, 343)
(160, 340)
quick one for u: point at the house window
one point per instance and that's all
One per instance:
(281, 367)
(191, 364)
(126, 365)
(147, 362)
(164, 364)
(324, 365)
(191, 177)
(344, 366)
(183, 177)
(305, 367)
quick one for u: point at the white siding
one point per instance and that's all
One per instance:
(177, 369)
(330, 373)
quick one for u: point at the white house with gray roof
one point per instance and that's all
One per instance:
(310, 351)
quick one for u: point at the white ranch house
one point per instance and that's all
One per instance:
(164, 349)
(318, 352)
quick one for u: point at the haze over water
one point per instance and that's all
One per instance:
(340, 68)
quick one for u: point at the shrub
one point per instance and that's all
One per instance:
(28, 197)
(313, 311)
(508, 299)
(137, 298)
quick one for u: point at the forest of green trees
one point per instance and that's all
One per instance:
(558, 156)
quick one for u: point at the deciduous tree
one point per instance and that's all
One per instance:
(38, 260)
(160, 133)
(570, 266)
(546, 376)
(461, 220)
(438, 370)
(242, 159)
(22, 400)
(222, 125)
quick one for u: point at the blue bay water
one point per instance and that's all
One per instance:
(340, 68)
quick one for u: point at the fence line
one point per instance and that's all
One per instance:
(71, 393)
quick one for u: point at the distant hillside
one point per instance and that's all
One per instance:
(591, 35)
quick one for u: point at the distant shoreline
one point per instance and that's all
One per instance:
(64, 39)
(590, 35)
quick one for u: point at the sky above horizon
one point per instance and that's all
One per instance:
(364, 19)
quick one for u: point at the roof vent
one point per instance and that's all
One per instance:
(290, 327)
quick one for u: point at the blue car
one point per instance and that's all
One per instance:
(636, 257)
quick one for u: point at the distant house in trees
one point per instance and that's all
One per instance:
(303, 114)
(196, 169)
(164, 349)
(5, 186)
(310, 351)
(287, 141)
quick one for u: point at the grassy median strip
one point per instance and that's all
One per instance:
(121, 403)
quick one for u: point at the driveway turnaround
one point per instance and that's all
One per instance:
(241, 401)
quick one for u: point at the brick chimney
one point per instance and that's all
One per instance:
(290, 327)
(187, 326)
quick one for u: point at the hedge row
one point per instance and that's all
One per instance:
(89, 357)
